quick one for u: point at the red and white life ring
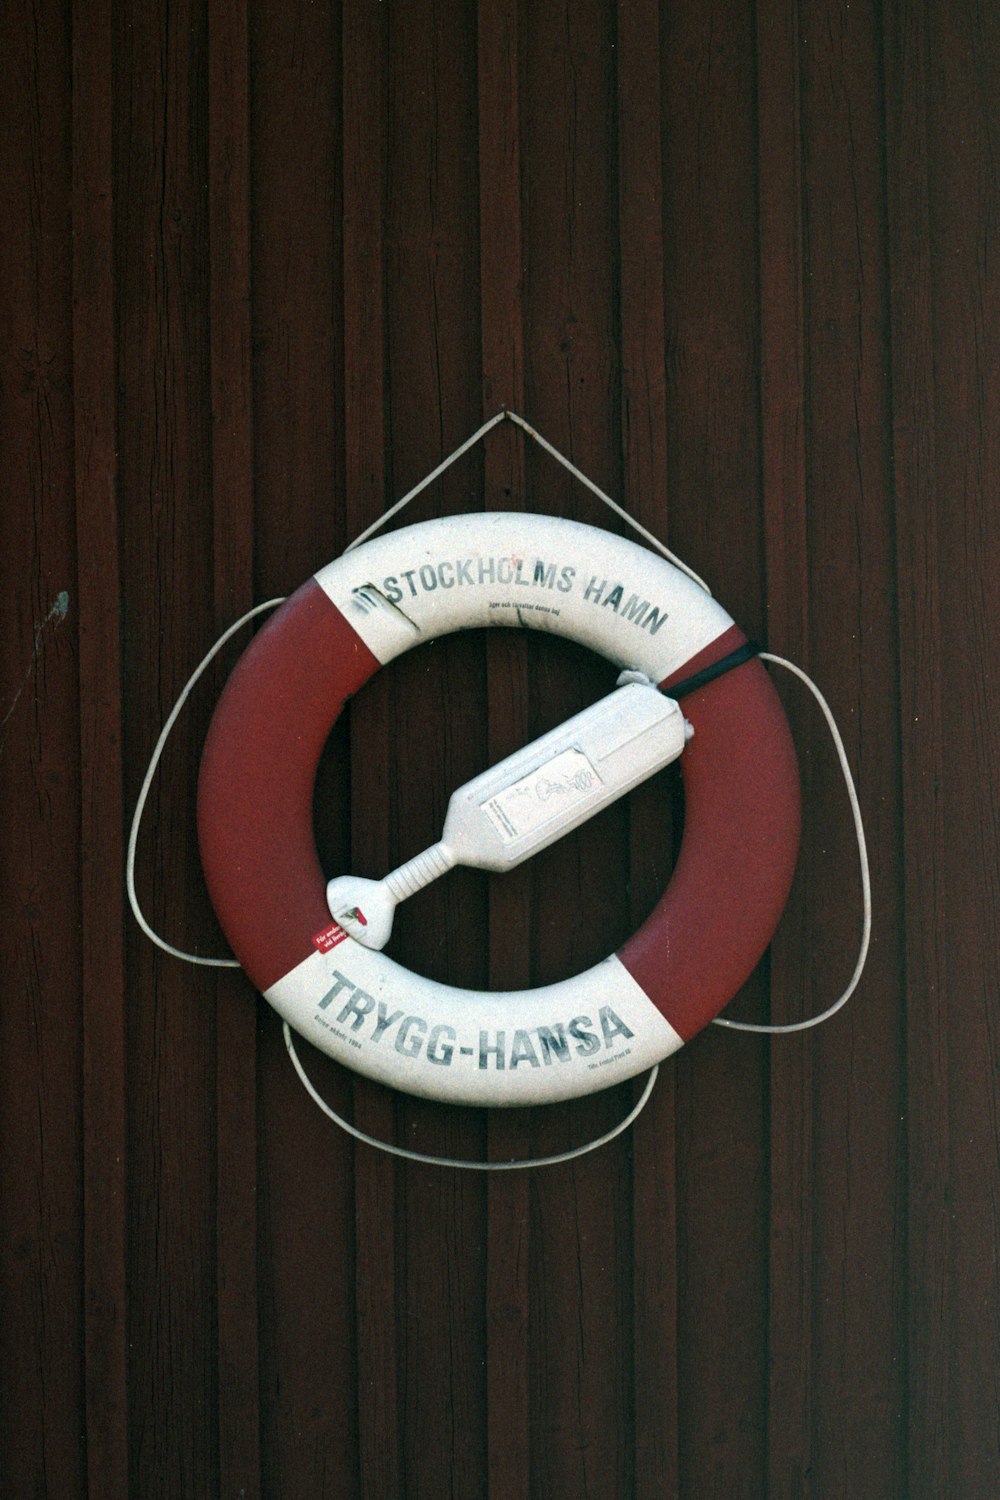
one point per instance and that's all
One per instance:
(626, 1013)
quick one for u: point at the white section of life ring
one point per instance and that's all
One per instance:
(539, 572)
(469, 1046)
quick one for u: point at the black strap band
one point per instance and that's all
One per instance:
(709, 674)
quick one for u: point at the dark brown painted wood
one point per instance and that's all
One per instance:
(231, 377)
(431, 233)
(508, 681)
(715, 510)
(645, 495)
(42, 1337)
(582, 1404)
(260, 269)
(309, 1400)
(906, 45)
(102, 841)
(956, 1069)
(164, 438)
(365, 73)
(784, 474)
(857, 1442)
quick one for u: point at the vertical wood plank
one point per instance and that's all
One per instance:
(297, 329)
(231, 367)
(782, 331)
(164, 432)
(365, 46)
(308, 1339)
(930, 1387)
(231, 374)
(642, 332)
(433, 348)
(784, 479)
(710, 254)
(644, 445)
(859, 1240)
(580, 1269)
(103, 815)
(41, 1186)
(500, 246)
(507, 679)
(963, 69)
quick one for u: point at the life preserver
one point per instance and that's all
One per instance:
(638, 1005)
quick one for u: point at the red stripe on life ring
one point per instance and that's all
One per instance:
(258, 769)
(741, 837)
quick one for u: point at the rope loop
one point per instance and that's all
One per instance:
(231, 963)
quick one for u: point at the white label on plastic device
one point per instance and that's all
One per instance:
(545, 793)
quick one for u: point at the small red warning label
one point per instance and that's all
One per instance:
(329, 937)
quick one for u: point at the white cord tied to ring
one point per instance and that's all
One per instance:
(464, 1163)
(506, 415)
(231, 963)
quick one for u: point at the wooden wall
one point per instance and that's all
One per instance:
(263, 266)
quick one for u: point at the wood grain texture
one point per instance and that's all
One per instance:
(231, 378)
(857, 1443)
(42, 1338)
(438, 737)
(261, 268)
(509, 688)
(961, 135)
(906, 44)
(365, 75)
(164, 468)
(784, 473)
(309, 1397)
(645, 494)
(715, 510)
(102, 829)
(579, 1268)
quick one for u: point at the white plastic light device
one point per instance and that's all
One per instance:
(527, 801)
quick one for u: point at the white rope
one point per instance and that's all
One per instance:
(232, 963)
(463, 1163)
(589, 484)
(506, 415)
(866, 888)
(418, 489)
